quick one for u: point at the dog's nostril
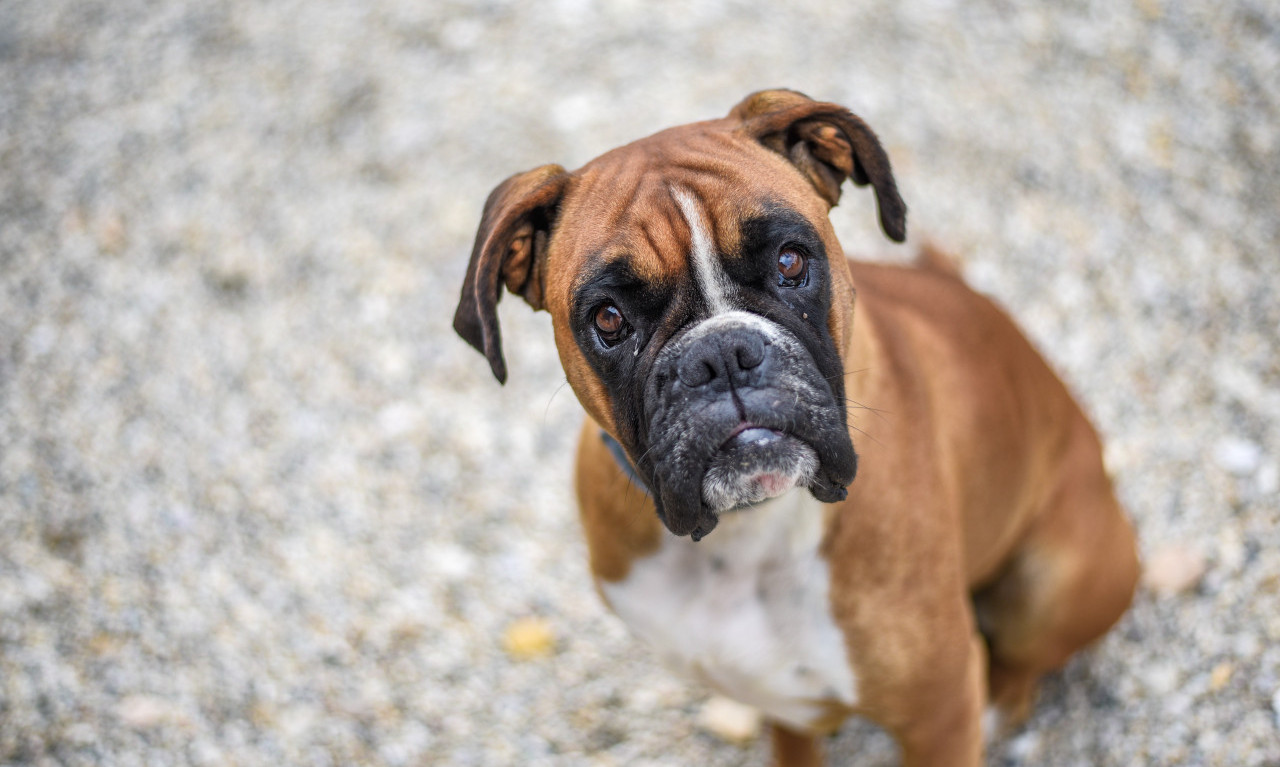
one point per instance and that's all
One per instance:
(713, 358)
(750, 352)
(694, 370)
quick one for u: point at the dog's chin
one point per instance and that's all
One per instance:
(754, 465)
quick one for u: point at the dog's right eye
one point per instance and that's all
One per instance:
(793, 268)
(611, 326)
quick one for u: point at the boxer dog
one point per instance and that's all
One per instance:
(738, 373)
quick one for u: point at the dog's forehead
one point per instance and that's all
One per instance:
(637, 201)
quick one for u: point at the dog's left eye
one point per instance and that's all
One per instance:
(611, 326)
(793, 267)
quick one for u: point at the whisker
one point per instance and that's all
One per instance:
(868, 436)
(848, 373)
(859, 406)
(552, 398)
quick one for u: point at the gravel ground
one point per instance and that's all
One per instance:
(260, 506)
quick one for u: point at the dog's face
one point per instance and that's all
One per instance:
(700, 300)
(701, 304)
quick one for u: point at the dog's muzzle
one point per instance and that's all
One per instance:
(738, 412)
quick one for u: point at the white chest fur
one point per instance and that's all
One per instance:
(746, 610)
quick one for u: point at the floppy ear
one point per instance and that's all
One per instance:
(510, 249)
(828, 144)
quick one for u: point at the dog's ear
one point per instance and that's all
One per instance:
(510, 249)
(828, 144)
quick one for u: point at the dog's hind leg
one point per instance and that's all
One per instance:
(1069, 580)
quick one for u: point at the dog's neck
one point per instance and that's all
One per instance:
(624, 463)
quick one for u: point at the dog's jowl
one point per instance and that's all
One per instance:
(857, 488)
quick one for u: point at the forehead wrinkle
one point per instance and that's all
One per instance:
(722, 191)
(613, 204)
(655, 233)
(653, 248)
(726, 222)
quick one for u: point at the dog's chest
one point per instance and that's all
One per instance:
(746, 610)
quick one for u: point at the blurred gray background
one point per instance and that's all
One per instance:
(260, 506)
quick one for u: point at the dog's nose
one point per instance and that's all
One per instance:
(720, 358)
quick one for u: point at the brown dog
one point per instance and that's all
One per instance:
(705, 317)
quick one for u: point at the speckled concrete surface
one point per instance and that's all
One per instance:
(259, 506)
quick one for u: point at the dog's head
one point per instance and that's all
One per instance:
(700, 300)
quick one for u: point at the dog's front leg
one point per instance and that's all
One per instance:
(795, 749)
(945, 729)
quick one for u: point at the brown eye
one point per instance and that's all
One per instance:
(791, 267)
(610, 323)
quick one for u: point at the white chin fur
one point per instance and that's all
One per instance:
(726, 487)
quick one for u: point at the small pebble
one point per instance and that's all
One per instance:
(1024, 746)
(1173, 569)
(729, 720)
(529, 639)
(1220, 675)
(1268, 478)
(142, 712)
(1161, 678)
(1237, 456)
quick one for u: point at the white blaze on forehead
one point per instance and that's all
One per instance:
(706, 267)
